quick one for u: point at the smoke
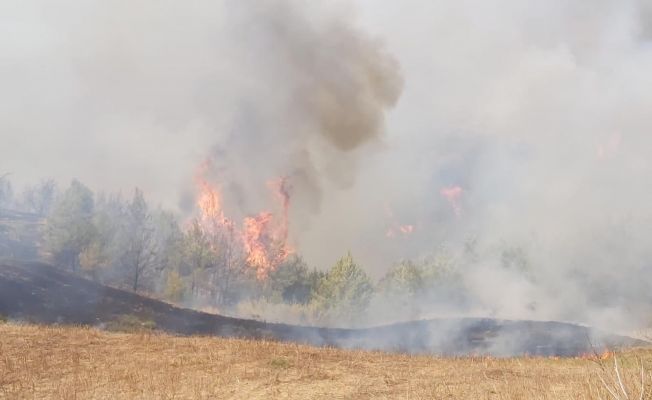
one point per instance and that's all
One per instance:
(537, 113)
(519, 125)
(316, 95)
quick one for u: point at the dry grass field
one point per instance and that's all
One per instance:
(38, 362)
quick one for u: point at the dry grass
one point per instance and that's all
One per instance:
(84, 363)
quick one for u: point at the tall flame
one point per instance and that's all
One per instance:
(263, 237)
(209, 201)
(266, 239)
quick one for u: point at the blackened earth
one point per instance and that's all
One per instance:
(39, 293)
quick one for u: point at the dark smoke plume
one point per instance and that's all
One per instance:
(325, 88)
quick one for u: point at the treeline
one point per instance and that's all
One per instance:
(37, 199)
(127, 243)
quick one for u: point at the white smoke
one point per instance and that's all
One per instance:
(538, 111)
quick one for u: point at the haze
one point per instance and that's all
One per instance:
(536, 113)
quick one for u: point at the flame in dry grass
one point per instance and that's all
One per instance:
(605, 355)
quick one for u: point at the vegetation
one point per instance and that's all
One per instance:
(293, 282)
(128, 244)
(84, 363)
(343, 294)
(131, 324)
(70, 229)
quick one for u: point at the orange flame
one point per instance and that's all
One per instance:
(396, 229)
(209, 202)
(263, 238)
(266, 246)
(453, 195)
(605, 355)
(405, 230)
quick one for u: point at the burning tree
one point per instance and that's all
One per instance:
(265, 238)
(214, 249)
(261, 242)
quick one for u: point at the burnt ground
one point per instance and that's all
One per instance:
(39, 293)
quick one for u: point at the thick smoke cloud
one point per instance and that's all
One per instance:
(316, 95)
(537, 111)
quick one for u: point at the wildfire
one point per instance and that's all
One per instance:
(605, 355)
(210, 205)
(266, 240)
(453, 195)
(263, 237)
(396, 229)
(404, 230)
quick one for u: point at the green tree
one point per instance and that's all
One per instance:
(100, 258)
(196, 256)
(174, 287)
(229, 278)
(139, 249)
(69, 229)
(404, 280)
(344, 292)
(169, 242)
(292, 282)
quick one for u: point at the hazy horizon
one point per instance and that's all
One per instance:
(403, 127)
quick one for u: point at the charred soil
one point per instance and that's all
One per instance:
(39, 293)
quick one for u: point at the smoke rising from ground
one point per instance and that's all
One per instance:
(537, 112)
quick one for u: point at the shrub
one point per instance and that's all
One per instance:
(280, 363)
(131, 323)
(262, 309)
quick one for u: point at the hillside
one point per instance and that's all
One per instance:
(84, 363)
(37, 292)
